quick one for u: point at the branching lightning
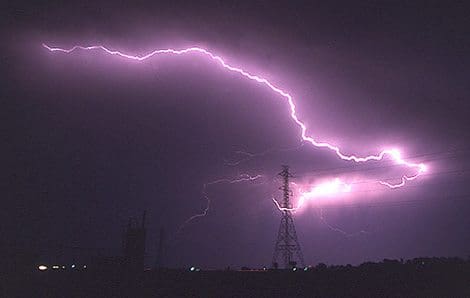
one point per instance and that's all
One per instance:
(338, 230)
(333, 187)
(249, 155)
(394, 154)
(239, 179)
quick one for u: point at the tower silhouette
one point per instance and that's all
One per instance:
(287, 246)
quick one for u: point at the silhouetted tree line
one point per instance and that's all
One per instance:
(419, 277)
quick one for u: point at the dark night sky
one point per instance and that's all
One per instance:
(89, 140)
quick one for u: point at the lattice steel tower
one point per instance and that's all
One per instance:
(287, 246)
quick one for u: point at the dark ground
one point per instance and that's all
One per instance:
(416, 278)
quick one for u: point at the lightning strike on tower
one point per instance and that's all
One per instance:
(287, 247)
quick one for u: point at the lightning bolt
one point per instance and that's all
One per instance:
(338, 230)
(394, 154)
(249, 155)
(238, 179)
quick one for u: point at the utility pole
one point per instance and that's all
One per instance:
(287, 245)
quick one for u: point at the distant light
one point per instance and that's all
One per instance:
(306, 269)
(73, 266)
(63, 267)
(198, 269)
(192, 268)
(42, 267)
(294, 269)
(84, 266)
(55, 267)
(264, 268)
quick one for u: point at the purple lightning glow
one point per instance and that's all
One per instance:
(249, 155)
(393, 154)
(239, 179)
(333, 187)
(338, 230)
(325, 189)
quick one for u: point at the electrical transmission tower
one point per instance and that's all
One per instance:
(287, 246)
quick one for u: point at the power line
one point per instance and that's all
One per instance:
(422, 175)
(397, 178)
(400, 203)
